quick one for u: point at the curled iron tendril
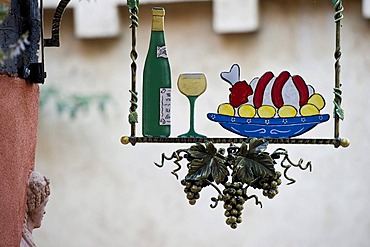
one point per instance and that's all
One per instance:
(214, 199)
(215, 202)
(257, 202)
(175, 155)
(281, 151)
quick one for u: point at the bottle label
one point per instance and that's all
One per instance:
(165, 106)
(162, 51)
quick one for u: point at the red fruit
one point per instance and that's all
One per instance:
(260, 89)
(239, 93)
(277, 89)
(302, 89)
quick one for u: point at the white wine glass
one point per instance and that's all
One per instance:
(192, 85)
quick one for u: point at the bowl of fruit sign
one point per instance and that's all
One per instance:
(269, 106)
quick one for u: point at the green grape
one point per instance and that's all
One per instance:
(241, 200)
(233, 201)
(188, 184)
(234, 212)
(192, 189)
(190, 195)
(272, 192)
(233, 219)
(228, 206)
(227, 197)
(237, 185)
(234, 198)
(199, 183)
(265, 186)
(239, 192)
(192, 202)
(232, 191)
(239, 220)
(265, 192)
(274, 184)
(228, 221)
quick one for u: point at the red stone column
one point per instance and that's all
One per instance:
(18, 129)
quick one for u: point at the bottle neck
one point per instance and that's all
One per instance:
(158, 23)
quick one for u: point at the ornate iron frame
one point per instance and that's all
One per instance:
(337, 141)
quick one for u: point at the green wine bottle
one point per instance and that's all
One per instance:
(156, 121)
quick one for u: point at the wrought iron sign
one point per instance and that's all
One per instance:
(270, 109)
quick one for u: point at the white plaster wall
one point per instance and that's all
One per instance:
(108, 194)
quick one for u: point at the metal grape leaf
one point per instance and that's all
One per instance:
(253, 163)
(206, 163)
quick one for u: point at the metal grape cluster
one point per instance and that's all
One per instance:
(236, 169)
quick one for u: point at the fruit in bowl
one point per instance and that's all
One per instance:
(270, 97)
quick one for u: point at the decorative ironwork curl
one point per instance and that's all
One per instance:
(214, 199)
(256, 200)
(55, 30)
(175, 155)
(242, 167)
(281, 151)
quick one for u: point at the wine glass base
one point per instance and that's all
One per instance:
(192, 134)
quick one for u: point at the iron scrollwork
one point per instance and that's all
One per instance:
(55, 30)
(236, 169)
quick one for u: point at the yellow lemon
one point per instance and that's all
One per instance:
(287, 111)
(246, 110)
(266, 111)
(309, 110)
(226, 109)
(317, 100)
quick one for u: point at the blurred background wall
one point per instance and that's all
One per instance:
(108, 194)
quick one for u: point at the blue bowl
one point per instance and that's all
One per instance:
(268, 127)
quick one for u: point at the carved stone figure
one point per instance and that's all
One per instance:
(38, 191)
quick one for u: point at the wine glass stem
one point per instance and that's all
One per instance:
(192, 106)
